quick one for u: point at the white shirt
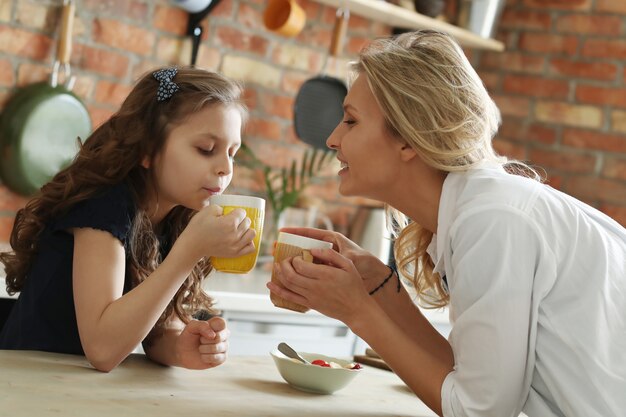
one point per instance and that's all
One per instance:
(537, 283)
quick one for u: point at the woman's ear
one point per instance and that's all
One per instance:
(145, 162)
(407, 153)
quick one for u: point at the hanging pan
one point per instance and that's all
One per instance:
(40, 125)
(318, 108)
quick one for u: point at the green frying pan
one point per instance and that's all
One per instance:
(41, 124)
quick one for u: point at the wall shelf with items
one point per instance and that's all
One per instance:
(396, 16)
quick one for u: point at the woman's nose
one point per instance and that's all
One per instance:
(333, 140)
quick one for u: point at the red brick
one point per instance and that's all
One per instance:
(601, 48)
(514, 62)
(11, 201)
(292, 81)
(559, 4)
(263, 128)
(99, 115)
(32, 73)
(535, 86)
(555, 44)
(250, 17)
(513, 106)
(275, 155)
(593, 25)
(111, 93)
(250, 98)
(594, 140)
(521, 131)
(242, 41)
(170, 19)
(280, 106)
(355, 44)
(617, 213)
(553, 180)
(541, 134)
(601, 95)
(525, 19)
(6, 226)
(511, 150)
(25, 44)
(598, 189)
(563, 160)
(577, 69)
(611, 6)
(315, 35)
(101, 61)
(491, 80)
(122, 36)
(7, 75)
(614, 168)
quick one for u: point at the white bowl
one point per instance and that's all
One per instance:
(314, 378)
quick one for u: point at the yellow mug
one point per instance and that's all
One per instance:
(255, 211)
(287, 246)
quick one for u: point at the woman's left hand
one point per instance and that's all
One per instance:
(333, 287)
(203, 344)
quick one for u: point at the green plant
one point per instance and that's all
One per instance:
(284, 186)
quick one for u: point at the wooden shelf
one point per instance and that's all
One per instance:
(396, 16)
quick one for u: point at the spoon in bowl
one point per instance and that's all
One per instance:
(288, 351)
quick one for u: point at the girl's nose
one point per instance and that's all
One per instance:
(225, 166)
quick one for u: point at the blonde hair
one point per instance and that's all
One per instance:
(433, 100)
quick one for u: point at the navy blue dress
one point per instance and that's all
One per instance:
(44, 317)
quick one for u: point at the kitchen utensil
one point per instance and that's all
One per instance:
(313, 378)
(41, 124)
(284, 17)
(318, 108)
(287, 350)
(198, 10)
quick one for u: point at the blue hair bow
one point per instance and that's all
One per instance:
(167, 87)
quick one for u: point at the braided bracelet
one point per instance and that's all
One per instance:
(392, 271)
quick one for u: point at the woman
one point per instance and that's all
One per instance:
(535, 280)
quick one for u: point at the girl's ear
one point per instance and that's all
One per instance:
(407, 153)
(145, 162)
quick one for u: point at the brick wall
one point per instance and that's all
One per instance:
(562, 91)
(560, 85)
(115, 41)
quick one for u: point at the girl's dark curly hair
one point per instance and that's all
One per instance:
(113, 154)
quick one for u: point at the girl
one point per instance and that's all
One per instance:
(114, 249)
(535, 280)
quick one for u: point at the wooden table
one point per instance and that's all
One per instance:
(47, 384)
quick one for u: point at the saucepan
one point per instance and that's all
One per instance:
(41, 125)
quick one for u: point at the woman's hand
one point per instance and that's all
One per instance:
(210, 233)
(371, 269)
(203, 344)
(334, 287)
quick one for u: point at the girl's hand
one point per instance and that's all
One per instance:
(209, 233)
(371, 269)
(203, 344)
(334, 288)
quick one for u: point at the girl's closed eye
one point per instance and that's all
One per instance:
(204, 150)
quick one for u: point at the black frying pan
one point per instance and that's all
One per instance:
(319, 104)
(40, 124)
